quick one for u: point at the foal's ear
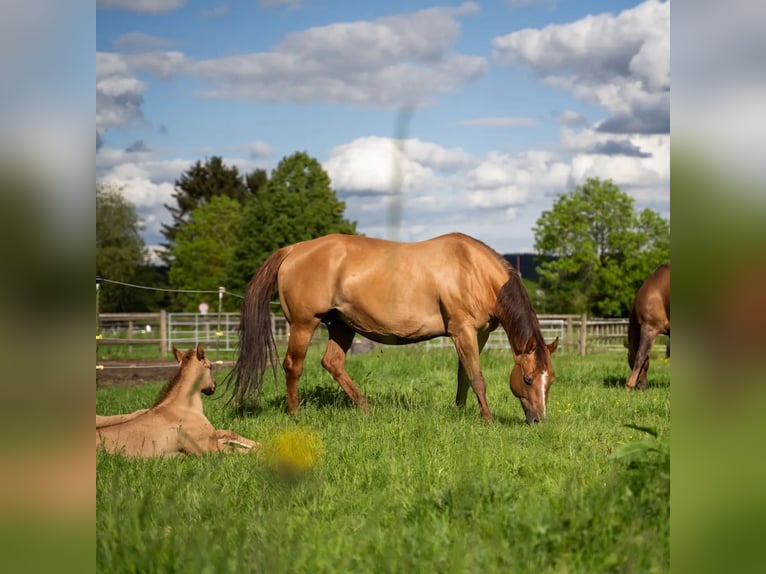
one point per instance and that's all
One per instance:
(553, 346)
(200, 352)
(177, 354)
(530, 346)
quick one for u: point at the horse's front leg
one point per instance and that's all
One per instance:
(467, 347)
(463, 380)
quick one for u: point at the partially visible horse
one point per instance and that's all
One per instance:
(649, 317)
(175, 423)
(393, 293)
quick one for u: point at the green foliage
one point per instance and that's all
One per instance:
(120, 249)
(295, 205)
(603, 250)
(411, 486)
(199, 184)
(201, 253)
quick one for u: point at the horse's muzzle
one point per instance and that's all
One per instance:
(209, 391)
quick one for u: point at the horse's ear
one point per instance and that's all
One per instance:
(530, 346)
(177, 354)
(553, 346)
(200, 352)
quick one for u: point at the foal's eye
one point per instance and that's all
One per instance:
(527, 380)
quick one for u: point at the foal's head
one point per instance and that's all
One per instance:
(194, 366)
(531, 377)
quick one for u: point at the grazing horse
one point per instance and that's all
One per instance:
(175, 423)
(393, 293)
(649, 317)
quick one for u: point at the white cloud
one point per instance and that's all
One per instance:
(149, 6)
(621, 63)
(259, 149)
(407, 60)
(138, 41)
(376, 164)
(571, 118)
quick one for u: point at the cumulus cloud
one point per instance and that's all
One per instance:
(138, 146)
(148, 6)
(118, 100)
(619, 147)
(621, 63)
(571, 118)
(503, 180)
(260, 149)
(408, 60)
(375, 164)
(140, 42)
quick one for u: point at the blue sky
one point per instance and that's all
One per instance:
(499, 106)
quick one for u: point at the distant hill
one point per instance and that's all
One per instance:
(526, 263)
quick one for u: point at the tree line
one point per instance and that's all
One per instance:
(595, 248)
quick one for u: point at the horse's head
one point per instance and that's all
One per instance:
(531, 377)
(203, 368)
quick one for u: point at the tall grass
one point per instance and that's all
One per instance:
(411, 486)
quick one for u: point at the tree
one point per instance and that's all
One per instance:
(296, 204)
(199, 184)
(600, 249)
(202, 251)
(120, 250)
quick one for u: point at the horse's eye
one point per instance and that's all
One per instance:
(527, 380)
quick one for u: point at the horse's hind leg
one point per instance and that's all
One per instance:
(463, 380)
(297, 345)
(334, 360)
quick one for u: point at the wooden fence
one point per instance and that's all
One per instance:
(577, 333)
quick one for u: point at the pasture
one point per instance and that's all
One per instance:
(411, 486)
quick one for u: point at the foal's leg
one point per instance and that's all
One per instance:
(467, 346)
(226, 438)
(334, 360)
(641, 363)
(297, 345)
(463, 380)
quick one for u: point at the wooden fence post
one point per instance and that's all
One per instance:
(163, 333)
(570, 334)
(583, 334)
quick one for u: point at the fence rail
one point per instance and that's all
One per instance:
(577, 333)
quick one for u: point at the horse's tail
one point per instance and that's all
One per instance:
(257, 347)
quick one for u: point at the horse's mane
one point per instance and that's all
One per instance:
(514, 310)
(171, 384)
(518, 318)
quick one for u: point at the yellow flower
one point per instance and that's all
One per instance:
(294, 451)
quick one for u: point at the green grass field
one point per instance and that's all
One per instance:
(411, 486)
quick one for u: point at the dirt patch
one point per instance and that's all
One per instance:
(126, 373)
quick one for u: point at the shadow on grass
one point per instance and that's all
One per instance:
(616, 382)
(510, 421)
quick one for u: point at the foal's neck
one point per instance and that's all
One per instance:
(186, 392)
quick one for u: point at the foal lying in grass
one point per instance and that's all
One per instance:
(175, 423)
